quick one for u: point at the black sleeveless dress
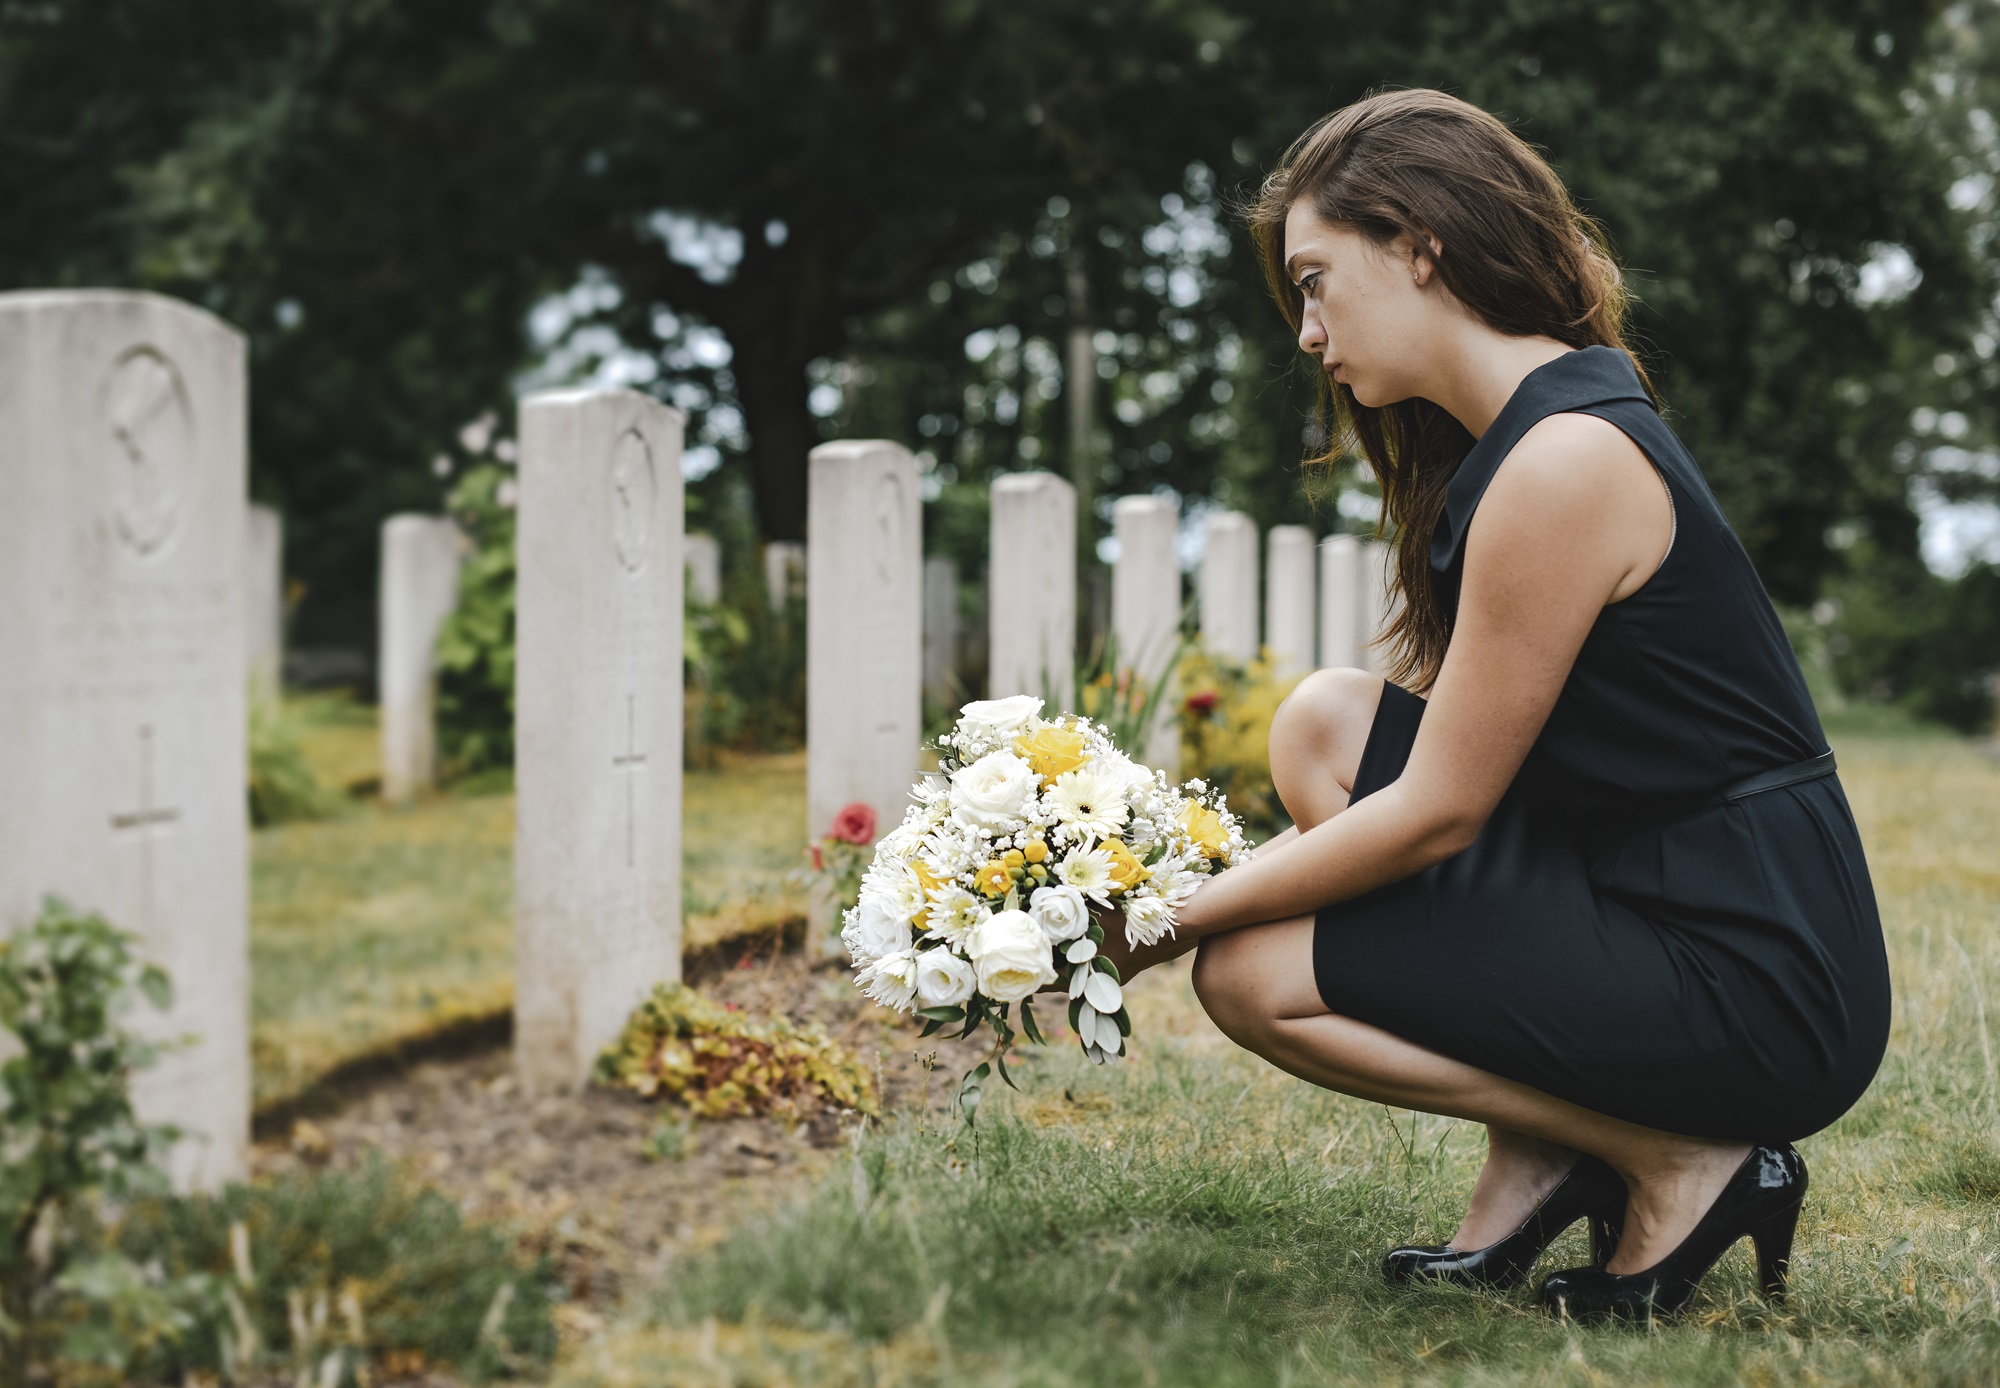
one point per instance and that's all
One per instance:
(1668, 918)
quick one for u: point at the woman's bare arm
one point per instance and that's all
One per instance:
(1574, 519)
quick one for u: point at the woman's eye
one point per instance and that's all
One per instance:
(1309, 285)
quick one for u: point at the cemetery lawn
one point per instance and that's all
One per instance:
(1196, 1218)
(381, 927)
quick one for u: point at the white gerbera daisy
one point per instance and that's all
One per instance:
(1089, 871)
(1088, 803)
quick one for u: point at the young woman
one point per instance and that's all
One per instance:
(1583, 872)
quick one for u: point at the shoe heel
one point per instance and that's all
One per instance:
(1603, 1240)
(1773, 1239)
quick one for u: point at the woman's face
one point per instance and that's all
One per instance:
(1363, 305)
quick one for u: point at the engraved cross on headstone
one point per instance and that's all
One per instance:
(147, 822)
(630, 763)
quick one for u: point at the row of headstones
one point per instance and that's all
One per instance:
(126, 644)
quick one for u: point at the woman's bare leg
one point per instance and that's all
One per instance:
(1257, 983)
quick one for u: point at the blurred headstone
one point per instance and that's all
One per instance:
(1340, 633)
(704, 569)
(421, 556)
(597, 723)
(784, 571)
(864, 632)
(940, 629)
(1031, 618)
(1146, 611)
(264, 602)
(1229, 586)
(1289, 585)
(122, 670)
(1376, 557)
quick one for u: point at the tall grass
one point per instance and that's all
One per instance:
(1198, 1218)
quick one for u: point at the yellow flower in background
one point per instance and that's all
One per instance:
(1052, 750)
(1127, 871)
(927, 879)
(1204, 830)
(994, 879)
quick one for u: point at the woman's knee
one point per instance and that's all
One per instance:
(1317, 738)
(1224, 984)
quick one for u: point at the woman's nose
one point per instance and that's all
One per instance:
(1312, 337)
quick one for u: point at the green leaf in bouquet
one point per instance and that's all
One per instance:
(1124, 1020)
(1075, 1011)
(1028, 1024)
(1108, 967)
(930, 1028)
(942, 1014)
(1095, 934)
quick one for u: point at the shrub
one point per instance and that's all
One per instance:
(345, 1268)
(721, 1064)
(475, 647)
(283, 788)
(746, 665)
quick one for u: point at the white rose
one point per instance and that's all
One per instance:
(944, 979)
(994, 792)
(872, 930)
(891, 980)
(992, 719)
(1061, 912)
(1011, 955)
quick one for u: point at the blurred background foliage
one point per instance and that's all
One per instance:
(1001, 231)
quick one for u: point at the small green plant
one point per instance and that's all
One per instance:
(283, 788)
(720, 1063)
(72, 1151)
(475, 647)
(1118, 696)
(746, 665)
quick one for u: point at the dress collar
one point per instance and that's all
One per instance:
(1573, 381)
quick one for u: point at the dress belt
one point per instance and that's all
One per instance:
(1791, 774)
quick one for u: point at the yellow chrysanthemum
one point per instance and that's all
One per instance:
(994, 879)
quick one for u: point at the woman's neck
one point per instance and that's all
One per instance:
(1480, 372)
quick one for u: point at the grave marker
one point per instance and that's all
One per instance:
(123, 672)
(704, 569)
(864, 631)
(597, 723)
(1031, 618)
(421, 556)
(784, 571)
(941, 630)
(1229, 586)
(1288, 599)
(1146, 609)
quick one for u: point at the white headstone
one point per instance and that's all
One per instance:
(864, 631)
(1289, 585)
(940, 629)
(1031, 618)
(1229, 586)
(704, 569)
(1146, 608)
(264, 602)
(1376, 558)
(122, 669)
(784, 571)
(597, 723)
(421, 556)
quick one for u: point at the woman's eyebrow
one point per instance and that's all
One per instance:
(1292, 266)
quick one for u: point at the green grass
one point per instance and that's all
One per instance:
(1197, 1218)
(383, 925)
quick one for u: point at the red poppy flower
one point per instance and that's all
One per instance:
(1201, 701)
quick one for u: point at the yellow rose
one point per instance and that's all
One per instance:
(1127, 871)
(1204, 830)
(994, 879)
(1014, 861)
(926, 879)
(1052, 750)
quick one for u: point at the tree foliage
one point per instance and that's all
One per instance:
(935, 221)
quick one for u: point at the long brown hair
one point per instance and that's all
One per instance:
(1517, 252)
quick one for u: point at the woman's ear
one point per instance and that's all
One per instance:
(1423, 265)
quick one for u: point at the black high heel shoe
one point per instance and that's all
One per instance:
(1589, 1190)
(1761, 1201)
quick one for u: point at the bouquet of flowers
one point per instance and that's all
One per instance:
(984, 894)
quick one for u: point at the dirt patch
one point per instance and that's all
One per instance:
(590, 1178)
